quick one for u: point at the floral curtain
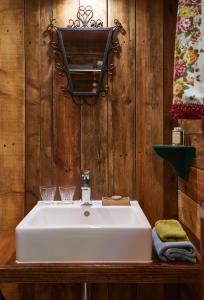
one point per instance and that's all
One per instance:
(188, 93)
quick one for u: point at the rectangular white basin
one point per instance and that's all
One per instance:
(75, 233)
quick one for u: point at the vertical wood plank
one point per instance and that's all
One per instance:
(67, 116)
(51, 292)
(189, 213)
(192, 292)
(147, 291)
(121, 103)
(149, 95)
(12, 121)
(94, 148)
(194, 187)
(149, 117)
(169, 30)
(170, 179)
(39, 160)
(202, 250)
(94, 130)
(46, 95)
(98, 291)
(122, 292)
(121, 119)
(32, 107)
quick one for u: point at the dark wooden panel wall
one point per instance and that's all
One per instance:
(46, 138)
(191, 192)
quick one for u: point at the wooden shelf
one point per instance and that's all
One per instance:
(179, 156)
(155, 272)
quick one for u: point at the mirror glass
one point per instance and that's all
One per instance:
(85, 55)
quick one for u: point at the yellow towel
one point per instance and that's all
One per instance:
(170, 231)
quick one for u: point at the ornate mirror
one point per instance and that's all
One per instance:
(84, 46)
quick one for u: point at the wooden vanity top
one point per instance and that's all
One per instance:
(155, 272)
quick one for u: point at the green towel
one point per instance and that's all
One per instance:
(170, 231)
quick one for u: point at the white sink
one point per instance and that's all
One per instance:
(62, 233)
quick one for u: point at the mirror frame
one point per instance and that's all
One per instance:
(108, 47)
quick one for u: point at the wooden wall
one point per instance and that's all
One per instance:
(46, 138)
(191, 192)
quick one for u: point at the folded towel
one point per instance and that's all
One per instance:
(170, 231)
(173, 251)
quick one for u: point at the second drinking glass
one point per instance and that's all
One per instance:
(67, 193)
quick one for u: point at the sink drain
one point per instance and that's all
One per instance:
(86, 213)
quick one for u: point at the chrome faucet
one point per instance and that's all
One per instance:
(85, 188)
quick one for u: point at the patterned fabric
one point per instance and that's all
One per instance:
(188, 93)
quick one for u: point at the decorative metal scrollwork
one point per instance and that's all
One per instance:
(64, 64)
(118, 26)
(110, 69)
(115, 43)
(84, 18)
(65, 90)
(52, 27)
(60, 69)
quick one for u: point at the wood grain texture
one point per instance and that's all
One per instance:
(33, 101)
(12, 121)
(189, 291)
(202, 249)
(94, 128)
(194, 187)
(197, 140)
(194, 136)
(46, 96)
(39, 160)
(146, 292)
(110, 140)
(193, 126)
(98, 291)
(48, 291)
(67, 116)
(170, 179)
(122, 104)
(101, 138)
(122, 292)
(149, 118)
(189, 213)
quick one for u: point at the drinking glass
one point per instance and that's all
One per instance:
(67, 193)
(47, 193)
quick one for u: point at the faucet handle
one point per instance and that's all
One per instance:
(85, 177)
